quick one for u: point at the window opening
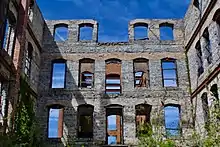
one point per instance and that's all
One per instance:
(208, 52)
(87, 73)
(199, 58)
(169, 72)
(172, 120)
(86, 31)
(205, 106)
(55, 123)
(141, 73)
(113, 84)
(85, 121)
(196, 4)
(214, 91)
(58, 74)
(114, 124)
(166, 31)
(6, 34)
(28, 59)
(9, 36)
(141, 31)
(30, 10)
(113, 76)
(61, 32)
(142, 118)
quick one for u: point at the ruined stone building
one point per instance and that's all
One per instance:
(82, 84)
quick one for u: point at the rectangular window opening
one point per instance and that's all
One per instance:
(58, 75)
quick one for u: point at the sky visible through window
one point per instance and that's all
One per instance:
(113, 16)
(141, 32)
(58, 79)
(61, 34)
(6, 35)
(166, 33)
(169, 73)
(172, 118)
(86, 33)
(53, 123)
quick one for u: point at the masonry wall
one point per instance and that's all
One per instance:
(202, 83)
(72, 96)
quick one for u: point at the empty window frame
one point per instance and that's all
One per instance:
(199, 57)
(86, 67)
(141, 72)
(55, 121)
(169, 72)
(205, 107)
(141, 31)
(196, 4)
(61, 32)
(28, 60)
(85, 121)
(207, 46)
(85, 31)
(142, 118)
(30, 10)
(113, 84)
(114, 124)
(166, 31)
(172, 120)
(58, 78)
(216, 18)
(9, 35)
(214, 91)
(113, 76)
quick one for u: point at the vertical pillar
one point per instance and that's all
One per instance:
(19, 52)
(131, 32)
(95, 33)
(154, 31)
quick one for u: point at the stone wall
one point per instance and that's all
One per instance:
(72, 96)
(202, 83)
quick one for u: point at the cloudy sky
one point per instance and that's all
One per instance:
(113, 15)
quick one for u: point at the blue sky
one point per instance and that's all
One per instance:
(113, 15)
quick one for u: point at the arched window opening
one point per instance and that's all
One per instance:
(141, 31)
(55, 121)
(207, 47)
(58, 73)
(85, 121)
(141, 72)
(169, 72)
(216, 18)
(86, 31)
(61, 32)
(28, 59)
(30, 10)
(114, 124)
(113, 76)
(205, 107)
(142, 119)
(87, 73)
(9, 36)
(172, 120)
(199, 57)
(196, 4)
(166, 31)
(214, 91)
